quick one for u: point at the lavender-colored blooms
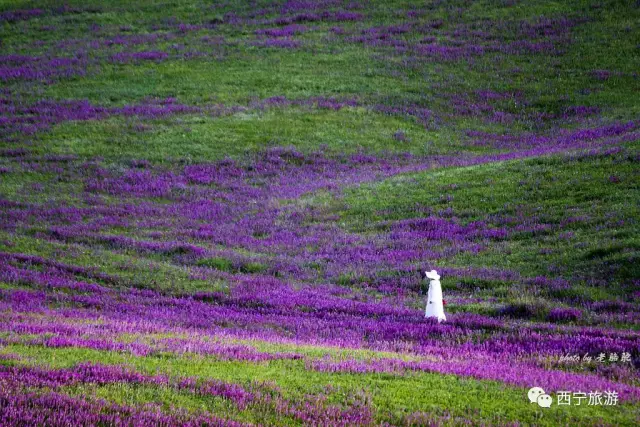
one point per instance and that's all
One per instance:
(564, 314)
(14, 379)
(400, 136)
(511, 373)
(278, 42)
(125, 57)
(41, 68)
(270, 266)
(11, 16)
(286, 31)
(56, 409)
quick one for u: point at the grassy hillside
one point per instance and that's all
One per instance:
(216, 213)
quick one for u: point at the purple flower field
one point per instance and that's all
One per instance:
(217, 213)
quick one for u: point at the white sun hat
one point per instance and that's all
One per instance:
(433, 275)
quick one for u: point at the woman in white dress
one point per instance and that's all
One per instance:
(435, 307)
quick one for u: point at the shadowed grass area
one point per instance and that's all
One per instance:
(224, 217)
(587, 204)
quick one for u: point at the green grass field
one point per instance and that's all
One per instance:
(216, 213)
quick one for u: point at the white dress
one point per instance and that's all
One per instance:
(435, 308)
